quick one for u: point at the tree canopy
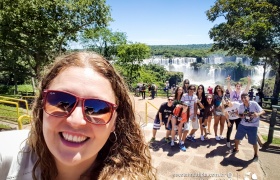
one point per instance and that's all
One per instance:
(251, 27)
(131, 56)
(104, 41)
(37, 30)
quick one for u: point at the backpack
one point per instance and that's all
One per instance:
(153, 87)
(143, 88)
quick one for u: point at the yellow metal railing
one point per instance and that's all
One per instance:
(14, 103)
(146, 110)
(17, 100)
(20, 115)
(20, 120)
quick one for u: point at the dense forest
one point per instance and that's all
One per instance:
(192, 50)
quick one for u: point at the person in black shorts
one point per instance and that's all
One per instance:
(163, 117)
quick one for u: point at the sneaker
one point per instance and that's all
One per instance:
(189, 138)
(235, 150)
(153, 139)
(182, 147)
(228, 144)
(202, 138)
(221, 137)
(172, 143)
(167, 140)
(218, 138)
(255, 158)
(192, 139)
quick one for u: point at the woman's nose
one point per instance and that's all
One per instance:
(77, 118)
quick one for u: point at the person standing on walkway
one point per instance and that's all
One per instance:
(232, 116)
(163, 117)
(180, 118)
(178, 95)
(249, 112)
(210, 90)
(186, 84)
(207, 115)
(153, 90)
(219, 117)
(191, 98)
(201, 101)
(235, 95)
(143, 91)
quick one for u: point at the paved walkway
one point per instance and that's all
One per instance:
(209, 159)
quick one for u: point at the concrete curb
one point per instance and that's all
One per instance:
(262, 143)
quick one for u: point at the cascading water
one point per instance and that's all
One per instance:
(208, 76)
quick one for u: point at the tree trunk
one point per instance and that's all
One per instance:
(276, 89)
(264, 71)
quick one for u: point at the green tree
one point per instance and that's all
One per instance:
(252, 28)
(40, 29)
(103, 40)
(131, 56)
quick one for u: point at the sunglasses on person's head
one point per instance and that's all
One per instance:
(62, 104)
(192, 89)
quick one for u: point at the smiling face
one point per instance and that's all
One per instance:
(200, 89)
(72, 140)
(238, 86)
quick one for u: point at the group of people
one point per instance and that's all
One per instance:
(191, 109)
(152, 89)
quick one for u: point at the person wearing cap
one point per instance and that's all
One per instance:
(249, 112)
(180, 116)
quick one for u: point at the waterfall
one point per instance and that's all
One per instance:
(208, 75)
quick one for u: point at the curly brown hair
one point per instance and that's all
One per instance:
(127, 157)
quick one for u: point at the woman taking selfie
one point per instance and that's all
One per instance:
(83, 127)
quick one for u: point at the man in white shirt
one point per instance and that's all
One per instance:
(249, 112)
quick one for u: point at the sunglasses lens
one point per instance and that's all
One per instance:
(97, 111)
(59, 104)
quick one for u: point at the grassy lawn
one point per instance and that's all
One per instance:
(9, 113)
(274, 140)
(4, 126)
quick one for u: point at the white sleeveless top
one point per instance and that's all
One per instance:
(16, 159)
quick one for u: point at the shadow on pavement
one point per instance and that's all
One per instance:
(219, 151)
(232, 160)
(270, 149)
(157, 145)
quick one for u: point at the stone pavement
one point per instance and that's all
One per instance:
(208, 159)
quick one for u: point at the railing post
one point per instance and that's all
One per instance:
(272, 124)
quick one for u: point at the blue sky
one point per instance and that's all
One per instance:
(162, 22)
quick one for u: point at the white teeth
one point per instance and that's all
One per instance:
(73, 138)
